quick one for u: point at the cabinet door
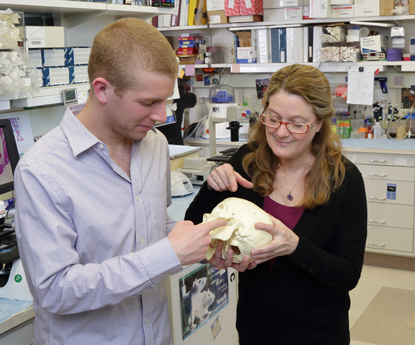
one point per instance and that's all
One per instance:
(383, 172)
(400, 216)
(380, 159)
(394, 239)
(381, 191)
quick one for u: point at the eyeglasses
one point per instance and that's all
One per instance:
(295, 128)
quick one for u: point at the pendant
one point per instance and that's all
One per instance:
(290, 197)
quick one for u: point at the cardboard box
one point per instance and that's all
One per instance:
(245, 38)
(373, 44)
(411, 6)
(43, 36)
(187, 59)
(256, 7)
(232, 7)
(342, 2)
(386, 7)
(283, 3)
(215, 5)
(293, 13)
(339, 11)
(320, 9)
(245, 19)
(274, 15)
(367, 8)
(244, 55)
(217, 17)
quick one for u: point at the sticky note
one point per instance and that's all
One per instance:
(190, 70)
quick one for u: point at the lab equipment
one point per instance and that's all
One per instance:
(220, 98)
(197, 169)
(13, 284)
(180, 184)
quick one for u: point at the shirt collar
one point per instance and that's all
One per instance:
(79, 138)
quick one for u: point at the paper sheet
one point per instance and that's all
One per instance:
(360, 87)
(22, 130)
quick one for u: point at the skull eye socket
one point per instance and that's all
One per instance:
(236, 250)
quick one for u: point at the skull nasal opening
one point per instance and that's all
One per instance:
(236, 250)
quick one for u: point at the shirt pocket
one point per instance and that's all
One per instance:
(158, 205)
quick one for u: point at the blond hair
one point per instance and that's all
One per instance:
(328, 170)
(126, 45)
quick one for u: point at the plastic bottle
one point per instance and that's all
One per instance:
(378, 131)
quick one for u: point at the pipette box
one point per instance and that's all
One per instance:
(53, 76)
(78, 74)
(77, 56)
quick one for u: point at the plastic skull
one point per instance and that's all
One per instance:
(240, 234)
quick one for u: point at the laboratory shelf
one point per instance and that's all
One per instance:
(78, 12)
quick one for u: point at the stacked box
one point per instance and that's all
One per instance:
(54, 57)
(78, 74)
(53, 76)
(77, 56)
(36, 56)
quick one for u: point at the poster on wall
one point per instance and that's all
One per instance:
(22, 130)
(203, 293)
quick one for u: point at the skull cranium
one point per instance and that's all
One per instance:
(239, 234)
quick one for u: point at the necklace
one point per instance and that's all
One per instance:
(289, 195)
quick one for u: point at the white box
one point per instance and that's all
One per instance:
(55, 76)
(78, 74)
(366, 8)
(44, 36)
(244, 55)
(320, 9)
(36, 55)
(215, 5)
(283, 3)
(341, 2)
(55, 57)
(372, 44)
(342, 11)
(293, 13)
(274, 14)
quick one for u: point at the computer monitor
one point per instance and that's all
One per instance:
(9, 156)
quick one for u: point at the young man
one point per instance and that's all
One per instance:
(92, 227)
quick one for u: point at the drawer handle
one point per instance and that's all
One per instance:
(376, 244)
(379, 175)
(373, 198)
(377, 221)
(378, 160)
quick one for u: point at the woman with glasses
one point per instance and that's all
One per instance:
(296, 291)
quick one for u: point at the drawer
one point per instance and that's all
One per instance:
(386, 215)
(395, 239)
(381, 159)
(377, 191)
(384, 172)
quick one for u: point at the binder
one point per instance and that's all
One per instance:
(310, 43)
(317, 32)
(175, 17)
(192, 8)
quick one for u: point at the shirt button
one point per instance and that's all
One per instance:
(147, 320)
(101, 146)
(137, 198)
(141, 240)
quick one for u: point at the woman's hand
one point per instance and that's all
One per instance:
(218, 262)
(225, 178)
(284, 242)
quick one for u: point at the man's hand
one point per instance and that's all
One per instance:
(191, 242)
